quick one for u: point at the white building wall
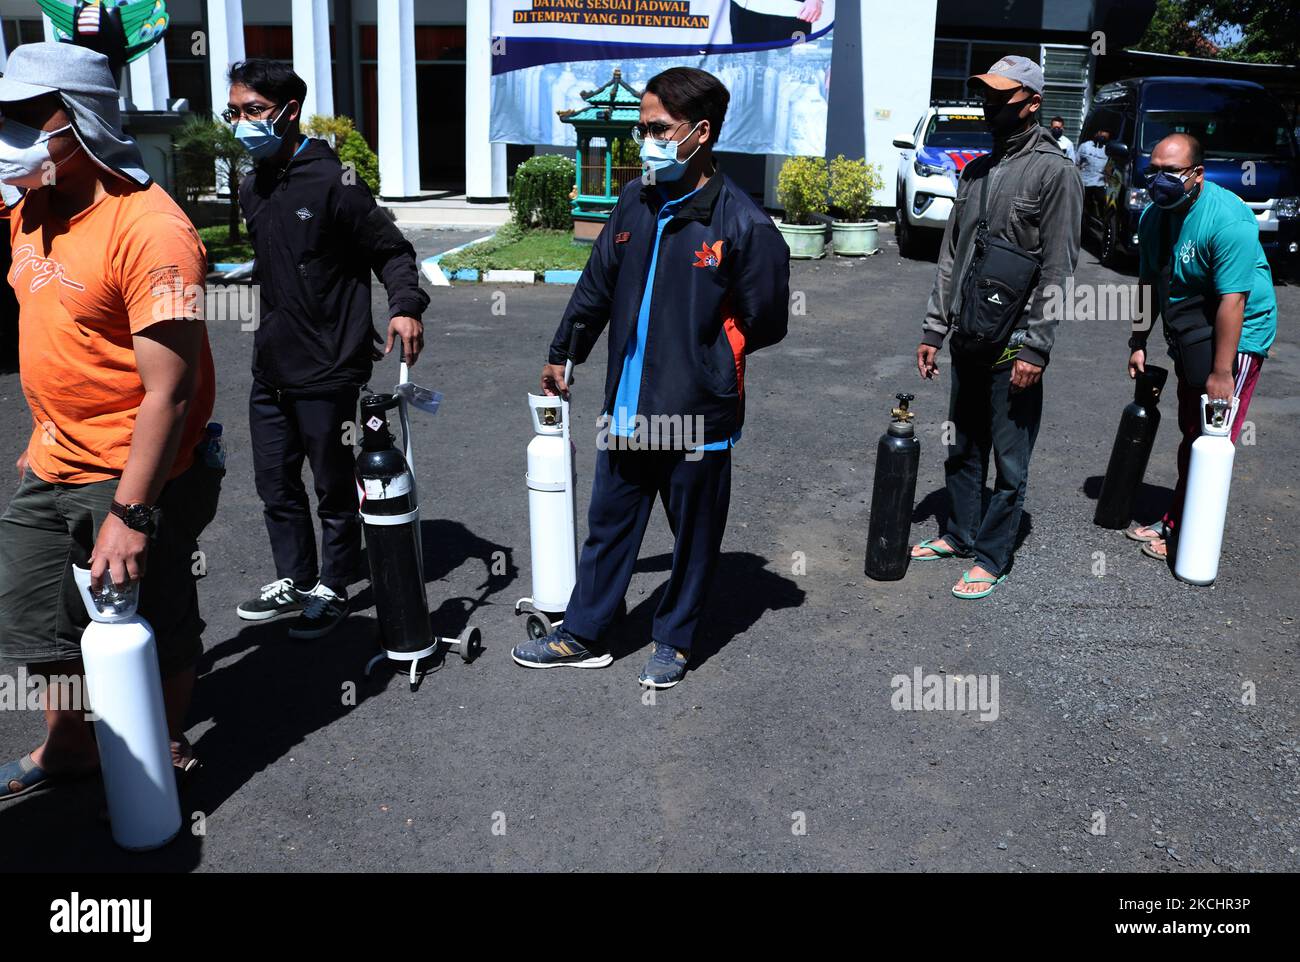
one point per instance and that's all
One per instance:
(897, 64)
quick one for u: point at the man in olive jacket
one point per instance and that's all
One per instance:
(1035, 201)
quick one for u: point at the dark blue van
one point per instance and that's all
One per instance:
(1250, 149)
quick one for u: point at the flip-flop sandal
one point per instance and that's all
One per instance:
(976, 595)
(24, 773)
(1159, 526)
(940, 553)
(1150, 552)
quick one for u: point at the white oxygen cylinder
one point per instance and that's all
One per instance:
(1205, 509)
(125, 689)
(552, 520)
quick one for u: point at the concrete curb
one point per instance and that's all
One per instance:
(441, 278)
(510, 277)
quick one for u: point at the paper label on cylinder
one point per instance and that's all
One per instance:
(382, 490)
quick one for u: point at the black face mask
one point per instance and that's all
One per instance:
(1005, 120)
(1058, 132)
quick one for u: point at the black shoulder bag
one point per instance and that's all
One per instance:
(1189, 324)
(998, 283)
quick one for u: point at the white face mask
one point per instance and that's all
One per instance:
(660, 158)
(25, 154)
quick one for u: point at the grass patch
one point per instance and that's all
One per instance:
(513, 249)
(220, 251)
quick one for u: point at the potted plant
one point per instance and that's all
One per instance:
(853, 188)
(801, 188)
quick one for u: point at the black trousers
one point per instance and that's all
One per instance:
(696, 495)
(747, 27)
(285, 432)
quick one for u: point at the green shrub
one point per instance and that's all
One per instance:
(853, 187)
(357, 153)
(335, 130)
(341, 134)
(802, 187)
(540, 195)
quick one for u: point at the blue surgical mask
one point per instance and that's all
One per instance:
(1169, 191)
(259, 137)
(659, 158)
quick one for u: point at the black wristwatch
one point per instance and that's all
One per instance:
(137, 517)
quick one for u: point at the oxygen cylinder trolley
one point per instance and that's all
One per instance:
(893, 494)
(552, 512)
(390, 515)
(125, 688)
(1131, 451)
(1199, 534)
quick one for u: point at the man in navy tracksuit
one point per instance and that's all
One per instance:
(691, 276)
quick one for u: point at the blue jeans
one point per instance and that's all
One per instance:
(988, 417)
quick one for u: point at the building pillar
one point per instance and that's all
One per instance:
(485, 162)
(399, 142)
(311, 55)
(225, 46)
(149, 87)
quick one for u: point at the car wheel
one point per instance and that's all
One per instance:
(904, 232)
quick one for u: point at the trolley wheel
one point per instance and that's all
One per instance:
(471, 644)
(538, 626)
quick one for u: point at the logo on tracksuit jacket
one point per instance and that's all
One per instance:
(709, 255)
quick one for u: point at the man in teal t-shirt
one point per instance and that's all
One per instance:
(1197, 239)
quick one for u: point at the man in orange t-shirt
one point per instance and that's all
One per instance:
(118, 374)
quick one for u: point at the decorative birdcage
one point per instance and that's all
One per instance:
(607, 157)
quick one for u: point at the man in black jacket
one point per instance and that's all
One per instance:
(691, 276)
(317, 234)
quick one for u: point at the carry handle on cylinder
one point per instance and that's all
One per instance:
(1211, 424)
(572, 350)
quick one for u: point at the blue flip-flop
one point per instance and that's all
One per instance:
(976, 595)
(940, 553)
(24, 773)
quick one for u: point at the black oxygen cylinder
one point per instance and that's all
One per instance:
(889, 532)
(1132, 450)
(390, 519)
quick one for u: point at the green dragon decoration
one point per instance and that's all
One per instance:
(122, 30)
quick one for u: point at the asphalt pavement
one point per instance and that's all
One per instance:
(1125, 738)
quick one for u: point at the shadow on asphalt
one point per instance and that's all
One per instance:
(744, 589)
(262, 673)
(448, 545)
(1148, 506)
(935, 505)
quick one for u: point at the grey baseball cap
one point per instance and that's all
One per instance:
(1012, 71)
(83, 79)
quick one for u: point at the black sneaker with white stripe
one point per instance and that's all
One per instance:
(277, 598)
(322, 613)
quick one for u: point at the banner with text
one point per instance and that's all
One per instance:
(773, 55)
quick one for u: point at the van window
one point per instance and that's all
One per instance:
(1233, 123)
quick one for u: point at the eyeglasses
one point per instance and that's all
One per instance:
(1151, 173)
(654, 131)
(232, 114)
